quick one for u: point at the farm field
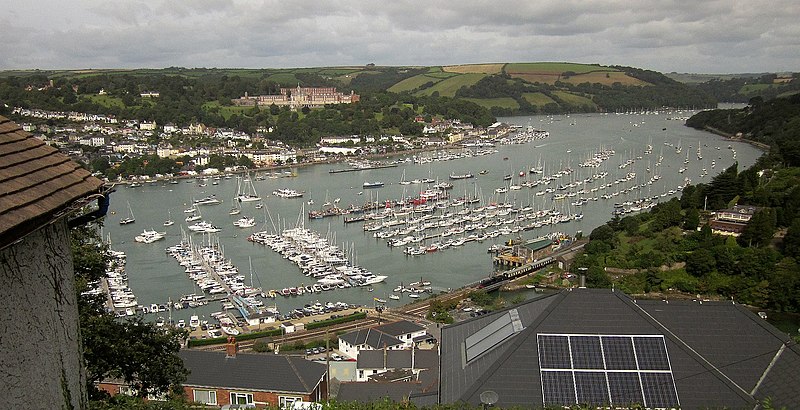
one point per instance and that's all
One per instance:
(448, 87)
(502, 102)
(412, 83)
(538, 99)
(494, 68)
(575, 99)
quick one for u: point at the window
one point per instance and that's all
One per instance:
(205, 396)
(286, 402)
(241, 398)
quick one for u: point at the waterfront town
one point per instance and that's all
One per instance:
(104, 136)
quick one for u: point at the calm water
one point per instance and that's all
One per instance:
(155, 277)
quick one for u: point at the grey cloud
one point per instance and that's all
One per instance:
(718, 36)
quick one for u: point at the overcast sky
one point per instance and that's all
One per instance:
(698, 36)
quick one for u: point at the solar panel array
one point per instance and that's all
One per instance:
(606, 370)
(493, 334)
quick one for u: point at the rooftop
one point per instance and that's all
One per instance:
(708, 354)
(37, 182)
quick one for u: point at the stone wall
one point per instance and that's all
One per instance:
(41, 365)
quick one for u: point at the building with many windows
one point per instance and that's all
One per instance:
(299, 97)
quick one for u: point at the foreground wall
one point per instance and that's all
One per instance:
(41, 365)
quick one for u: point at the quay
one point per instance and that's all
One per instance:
(338, 171)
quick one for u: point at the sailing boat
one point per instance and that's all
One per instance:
(130, 218)
(248, 194)
(169, 221)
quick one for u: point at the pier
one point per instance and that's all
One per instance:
(338, 171)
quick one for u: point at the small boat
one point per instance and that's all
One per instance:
(376, 184)
(413, 295)
(169, 221)
(394, 297)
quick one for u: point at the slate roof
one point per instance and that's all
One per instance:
(720, 353)
(37, 182)
(371, 337)
(273, 373)
(400, 327)
(398, 359)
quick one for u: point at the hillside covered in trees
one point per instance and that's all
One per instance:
(671, 248)
(391, 97)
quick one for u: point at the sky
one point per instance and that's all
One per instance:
(699, 36)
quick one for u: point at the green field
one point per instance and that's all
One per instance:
(556, 68)
(285, 79)
(105, 100)
(537, 99)
(448, 87)
(574, 99)
(412, 83)
(502, 102)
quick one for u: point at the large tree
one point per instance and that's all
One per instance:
(133, 350)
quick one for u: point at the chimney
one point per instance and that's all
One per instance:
(583, 281)
(231, 348)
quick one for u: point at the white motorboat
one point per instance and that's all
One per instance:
(149, 236)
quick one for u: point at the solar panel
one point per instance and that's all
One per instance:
(618, 352)
(625, 388)
(554, 352)
(606, 370)
(558, 388)
(659, 390)
(591, 388)
(651, 353)
(586, 352)
(492, 334)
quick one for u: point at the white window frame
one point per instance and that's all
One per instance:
(287, 402)
(248, 397)
(211, 395)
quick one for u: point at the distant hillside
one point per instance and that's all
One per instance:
(503, 88)
(775, 122)
(740, 88)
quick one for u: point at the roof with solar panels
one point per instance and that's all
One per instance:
(601, 347)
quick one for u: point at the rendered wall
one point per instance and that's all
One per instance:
(41, 364)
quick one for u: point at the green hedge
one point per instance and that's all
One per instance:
(223, 339)
(336, 321)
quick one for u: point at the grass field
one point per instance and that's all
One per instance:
(503, 102)
(105, 100)
(605, 78)
(448, 87)
(284, 79)
(537, 99)
(412, 83)
(575, 99)
(553, 68)
(494, 68)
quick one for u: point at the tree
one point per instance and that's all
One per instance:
(700, 262)
(692, 219)
(759, 230)
(791, 242)
(133, 350)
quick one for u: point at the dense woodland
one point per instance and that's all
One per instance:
(672, 247)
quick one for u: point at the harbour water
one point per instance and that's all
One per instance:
(155, 277)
